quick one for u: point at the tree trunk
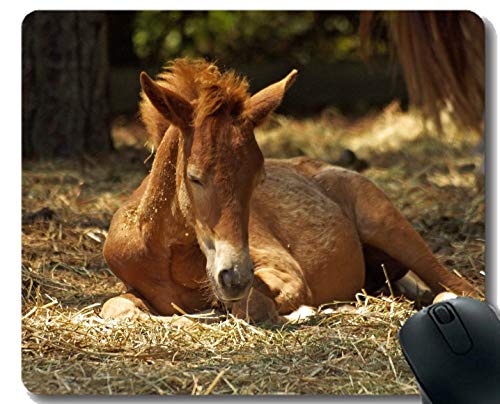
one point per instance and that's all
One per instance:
(65, 84)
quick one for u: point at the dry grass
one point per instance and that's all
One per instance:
(68, 349)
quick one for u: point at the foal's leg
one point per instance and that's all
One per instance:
(131, 306)
(128, 305)
(380, 268)
(376, 261)
(147, 274)
(382, 226)
(279, 288)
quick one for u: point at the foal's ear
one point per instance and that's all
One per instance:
(260, 105)
(172, 106)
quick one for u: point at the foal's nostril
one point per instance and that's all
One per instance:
(228, 278)
(233, 283)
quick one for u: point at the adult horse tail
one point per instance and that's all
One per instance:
(442, 55)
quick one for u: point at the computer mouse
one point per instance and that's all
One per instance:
(453, 348)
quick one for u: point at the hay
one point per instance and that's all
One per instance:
(68, 349)
(74, 351)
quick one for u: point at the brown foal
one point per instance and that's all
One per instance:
(214, 220)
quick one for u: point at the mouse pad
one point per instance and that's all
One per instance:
(244, 202)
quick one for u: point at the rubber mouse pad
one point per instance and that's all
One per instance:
(244, 202)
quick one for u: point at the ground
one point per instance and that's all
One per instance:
(67, 207)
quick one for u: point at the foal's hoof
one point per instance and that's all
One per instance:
(301, 314)
(343, 308)
(121, 308)
(444, 296)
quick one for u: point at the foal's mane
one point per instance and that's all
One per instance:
(209, 90)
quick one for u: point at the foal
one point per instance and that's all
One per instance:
(266, 236)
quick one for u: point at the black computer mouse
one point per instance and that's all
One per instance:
(453, 348)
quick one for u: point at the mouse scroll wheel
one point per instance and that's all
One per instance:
(443, 314)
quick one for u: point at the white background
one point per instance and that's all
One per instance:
(12, 389)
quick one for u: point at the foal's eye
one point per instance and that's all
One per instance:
(195, 180)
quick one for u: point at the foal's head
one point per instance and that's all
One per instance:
(223, 163)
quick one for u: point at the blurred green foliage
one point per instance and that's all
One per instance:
(247, 36)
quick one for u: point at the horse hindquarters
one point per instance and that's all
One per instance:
(382, 226)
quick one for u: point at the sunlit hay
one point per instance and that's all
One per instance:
(74, 351)
(68, 349)
(386, 132)
(442, 55)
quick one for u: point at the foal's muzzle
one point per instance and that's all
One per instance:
(233, 274)
(234, 283)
